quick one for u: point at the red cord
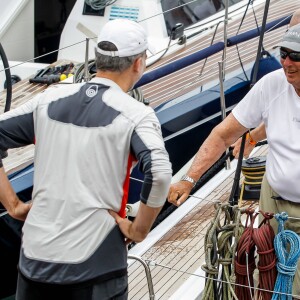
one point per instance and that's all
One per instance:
(262, 239)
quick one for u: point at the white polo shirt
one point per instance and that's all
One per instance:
(275, 102)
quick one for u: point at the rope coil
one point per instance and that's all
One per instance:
(287, 248)
(220, 246)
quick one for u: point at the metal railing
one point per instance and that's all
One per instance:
(148, 275)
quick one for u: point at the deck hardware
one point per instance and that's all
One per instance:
(177, 31)
(223, 104)
(148, 274)
(86, 61)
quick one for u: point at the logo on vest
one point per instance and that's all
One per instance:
(296, 119)
(156, 127)
(92, 91)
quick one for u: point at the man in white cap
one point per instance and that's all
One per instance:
(274, 100)
(259, 133)
(86, 137)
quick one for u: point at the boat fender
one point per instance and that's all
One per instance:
(132, 209)
(267, 64)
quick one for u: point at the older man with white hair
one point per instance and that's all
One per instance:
(275, 101)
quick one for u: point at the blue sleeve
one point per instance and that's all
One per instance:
(17, 126)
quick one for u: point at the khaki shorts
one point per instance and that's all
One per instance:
(268, 204)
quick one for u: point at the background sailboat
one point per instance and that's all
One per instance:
(186, 101)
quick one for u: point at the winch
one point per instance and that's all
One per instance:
(253, 170)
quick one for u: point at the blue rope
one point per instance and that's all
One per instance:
(287, 248)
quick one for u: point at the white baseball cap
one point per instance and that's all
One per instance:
(291, 39)
(128, 36)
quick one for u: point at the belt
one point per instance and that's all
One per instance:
(277, 198)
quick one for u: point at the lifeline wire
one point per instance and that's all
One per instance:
(200, 198)
(154, 264)
(212, 201)
(197, 79)
(83, 41)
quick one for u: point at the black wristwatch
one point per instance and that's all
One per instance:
(189, 179)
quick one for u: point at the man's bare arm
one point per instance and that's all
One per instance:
(257, 134)
(221, 137)
(138, 229)
(14, 206)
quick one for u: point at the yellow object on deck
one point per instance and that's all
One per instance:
(253, 170)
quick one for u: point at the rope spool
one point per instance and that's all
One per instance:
(253, 170)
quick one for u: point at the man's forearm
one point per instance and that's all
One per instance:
(221, 137)
(143, 222)
(138, 229)
(207, 155)
(14, 206)
(8, 197)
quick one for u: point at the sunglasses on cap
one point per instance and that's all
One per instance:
(294, 56)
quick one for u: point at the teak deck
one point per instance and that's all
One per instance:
(182, 247)
(180, 250)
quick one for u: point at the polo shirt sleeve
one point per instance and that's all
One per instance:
(249, 111)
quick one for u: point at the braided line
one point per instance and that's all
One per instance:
(287, 248)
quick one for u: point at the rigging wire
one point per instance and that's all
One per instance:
(83, 41)
(198, 79)
(168, 10)
(237, 32)
(163, 54)
(205, 61)
(43, 55)
(172, 94)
